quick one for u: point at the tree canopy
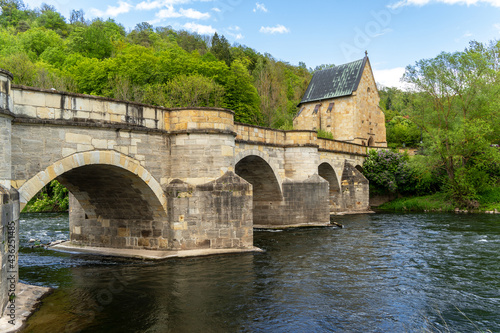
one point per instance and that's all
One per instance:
(147, 64)
(454, 105)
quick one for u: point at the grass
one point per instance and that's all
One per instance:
(325, 134)
(488, 201)
(434, 202)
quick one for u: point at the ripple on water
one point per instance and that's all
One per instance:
(381, 273)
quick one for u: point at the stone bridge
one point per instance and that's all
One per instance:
(146, 177)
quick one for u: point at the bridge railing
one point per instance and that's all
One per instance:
(52, 105)
(341, 147)
(257, 134)
(268, 136)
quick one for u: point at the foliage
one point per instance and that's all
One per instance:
(221, 49)
(52, 198)
(387, 171)
(402, 132)
(490, 199)
(195, 90)
(437, 202)
(325, 134)
(147, 65)
(452, 104)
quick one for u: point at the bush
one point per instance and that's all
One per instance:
(52, 198)
(387, 171)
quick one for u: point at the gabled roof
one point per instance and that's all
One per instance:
(333, 82)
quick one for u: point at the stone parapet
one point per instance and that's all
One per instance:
(195, 120)
(277, 138)
(341, 147)
(57, 105)
(259, 135)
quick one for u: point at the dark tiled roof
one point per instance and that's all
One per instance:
(334, 82)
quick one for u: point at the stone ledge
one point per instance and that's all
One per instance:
(79, 122)
(276, 145)
(5, 112)
(322, 150)
(26, 301)
(353, 212)
(288, 226)
(146, 254)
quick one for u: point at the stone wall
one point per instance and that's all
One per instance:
(9, 244)
(370, 120)
(217, 214)
(355, 190)
(38, 152)
(55, 105)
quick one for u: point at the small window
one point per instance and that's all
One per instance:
(316, 108)
(368, 89)
(330, 107)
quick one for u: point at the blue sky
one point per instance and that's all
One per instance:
(396, 33)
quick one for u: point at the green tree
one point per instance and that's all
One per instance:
(452, 102)
(194, 90)
(49, 18)
(241, 95)
(221, 49)
(35, 41)
(96, 39)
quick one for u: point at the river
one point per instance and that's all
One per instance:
(381, 273)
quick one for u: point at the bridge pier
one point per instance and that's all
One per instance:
(209, 206)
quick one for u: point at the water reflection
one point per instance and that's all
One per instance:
(384, 272)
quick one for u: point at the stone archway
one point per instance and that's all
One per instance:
(326, 171)
(267, 195)
(115, 202)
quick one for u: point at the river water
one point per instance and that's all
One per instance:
(381, 273)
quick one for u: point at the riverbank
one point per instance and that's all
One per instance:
(26, 301)
(486, 202)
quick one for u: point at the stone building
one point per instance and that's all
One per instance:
(344, 101)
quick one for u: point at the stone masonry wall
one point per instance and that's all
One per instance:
(217, 214)
(45, 104)
(370, 120)
(355, 189)
(36, 148)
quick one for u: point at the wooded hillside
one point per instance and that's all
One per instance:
(158, 66)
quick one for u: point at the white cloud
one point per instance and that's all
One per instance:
(190, 13)
(233, 32)
(193, 14)
(217, 10)
(390, 77)
(278, 29)
(403, 3)
(199, 28)
(260, 7)
(149, 5)
(112, 11)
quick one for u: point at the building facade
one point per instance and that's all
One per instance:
(344, 100)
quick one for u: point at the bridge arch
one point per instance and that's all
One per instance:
(326, 171)
(267, 192)
(96, 163)
(254, 152)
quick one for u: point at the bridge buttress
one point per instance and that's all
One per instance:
(209, 206)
